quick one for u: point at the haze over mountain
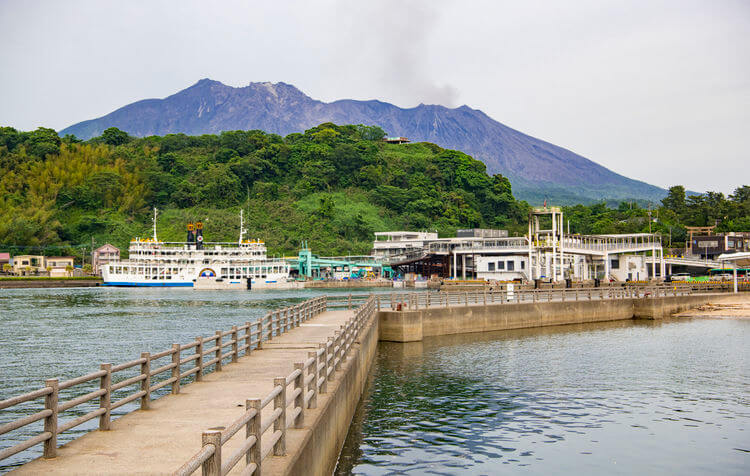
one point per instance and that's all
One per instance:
(537, 169)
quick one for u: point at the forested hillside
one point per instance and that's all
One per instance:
(538, 169)
(332, 185)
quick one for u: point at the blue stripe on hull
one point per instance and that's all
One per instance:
(148, 285)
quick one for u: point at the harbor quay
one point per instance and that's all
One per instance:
(276, 396)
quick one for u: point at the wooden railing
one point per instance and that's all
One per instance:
(266, 434)
(115, 385)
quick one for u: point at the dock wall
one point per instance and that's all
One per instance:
(322, 442)
(414, 325)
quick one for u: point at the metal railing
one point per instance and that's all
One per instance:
(308, 380)
(423, 300)
(115, 386)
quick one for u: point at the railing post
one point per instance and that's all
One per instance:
(279, 401)
(176, 369)
(260, 332)
(324, 369)
(299, 400)
(50, 422)
(253, 429)
(248, 338)
(199, 360)
(270, 325)
(146, 382)
(349, 302)
(235, 344)
(337, 353)
(378, 298)
(212, 466)
(313, 403)
(332, 354)
(105, 401)
(217, 354)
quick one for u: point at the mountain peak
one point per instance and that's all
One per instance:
(537, 169)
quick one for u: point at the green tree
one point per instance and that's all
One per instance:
(114, 136)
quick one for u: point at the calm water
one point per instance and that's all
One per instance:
(623, 398)
(65, 333)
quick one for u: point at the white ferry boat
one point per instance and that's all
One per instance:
(239, 265)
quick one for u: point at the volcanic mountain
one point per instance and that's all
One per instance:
(537, 169)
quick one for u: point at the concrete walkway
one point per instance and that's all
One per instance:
(161, 439)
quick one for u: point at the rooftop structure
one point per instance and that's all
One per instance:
(396, 140)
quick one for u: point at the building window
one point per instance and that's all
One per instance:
(511, 265)
(490, 266)
(500, 265)
(614, 264)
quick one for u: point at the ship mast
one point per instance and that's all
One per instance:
(242, 227)
(155, 224)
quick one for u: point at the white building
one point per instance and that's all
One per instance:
(388, 244)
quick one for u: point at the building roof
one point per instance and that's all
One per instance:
(107, 246)
(4, 256)
(60, 257)
(733, 256)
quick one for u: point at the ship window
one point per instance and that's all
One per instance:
(490, 266)
(523, 264)
(501, 265)
(511, 265)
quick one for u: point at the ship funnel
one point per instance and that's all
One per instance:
(199, 235)
(190, 236)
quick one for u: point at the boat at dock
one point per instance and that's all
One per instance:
(243, 264)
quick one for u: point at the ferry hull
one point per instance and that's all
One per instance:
(146, 285)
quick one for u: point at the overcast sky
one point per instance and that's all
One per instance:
(654, 90)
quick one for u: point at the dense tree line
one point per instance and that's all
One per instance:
(676, 211)
(332, 185)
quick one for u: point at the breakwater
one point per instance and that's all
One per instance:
(425, 315)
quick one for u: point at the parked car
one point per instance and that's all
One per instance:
(681, 277)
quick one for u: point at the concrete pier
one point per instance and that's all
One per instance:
(159, 440)
(414, 325)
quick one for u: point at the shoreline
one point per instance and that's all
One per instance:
(737, 308)
(36, 283)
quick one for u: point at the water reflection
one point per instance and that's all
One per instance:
(621, 397)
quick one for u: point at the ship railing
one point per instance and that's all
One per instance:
(115, 390)
(267, 419)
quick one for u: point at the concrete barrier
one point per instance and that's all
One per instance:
(414, 325)
(323, 440)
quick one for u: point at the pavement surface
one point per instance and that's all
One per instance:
(161, 439)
